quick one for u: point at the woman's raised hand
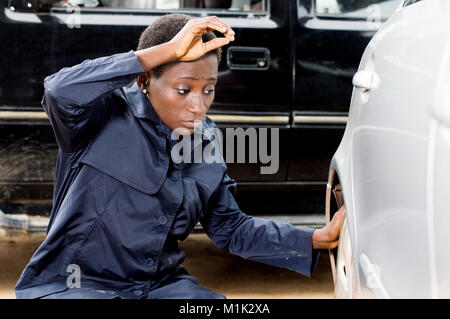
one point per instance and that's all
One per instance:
(187, 45)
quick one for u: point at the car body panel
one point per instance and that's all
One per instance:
(388, 159)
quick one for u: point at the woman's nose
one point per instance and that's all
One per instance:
(197, 106)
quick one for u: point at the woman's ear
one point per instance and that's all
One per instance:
(143, 80)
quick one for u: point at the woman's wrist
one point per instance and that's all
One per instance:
(155, 56)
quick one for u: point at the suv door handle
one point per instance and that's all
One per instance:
(248, 58)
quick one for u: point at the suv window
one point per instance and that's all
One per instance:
(210, 5)
(356, 9)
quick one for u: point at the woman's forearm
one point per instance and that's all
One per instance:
(81, 84)
(154, 56)
(75, 98)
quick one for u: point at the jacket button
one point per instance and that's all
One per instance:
(174, 176)
(163, 220)
(149, 262)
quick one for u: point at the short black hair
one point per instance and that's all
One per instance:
(164, 29)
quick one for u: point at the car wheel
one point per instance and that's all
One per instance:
(345, 278)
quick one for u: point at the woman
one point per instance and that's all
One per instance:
(121, 203)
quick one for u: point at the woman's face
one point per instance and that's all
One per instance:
(184, 92)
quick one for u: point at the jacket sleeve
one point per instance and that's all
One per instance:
(76, 98)
(262, 240)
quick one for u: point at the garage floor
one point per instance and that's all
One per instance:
(229, 275)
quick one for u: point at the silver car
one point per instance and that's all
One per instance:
(392, 168)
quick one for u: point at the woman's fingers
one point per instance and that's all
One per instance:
(187, 45)
(229, 33)
(333, 244)
(339, 215)
(213, 23)
(341, 210)
(215, 43)
(325, 244)
(336, 223)
(328, 237)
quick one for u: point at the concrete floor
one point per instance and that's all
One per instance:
(226, 274)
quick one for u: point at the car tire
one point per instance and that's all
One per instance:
(345, 277)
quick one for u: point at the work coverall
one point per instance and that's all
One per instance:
(121, 203)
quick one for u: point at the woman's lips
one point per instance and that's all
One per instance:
(192, 123)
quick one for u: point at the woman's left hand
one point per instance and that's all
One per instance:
(327, 237)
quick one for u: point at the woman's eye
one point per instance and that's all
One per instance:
(209, 91)
(183, 91)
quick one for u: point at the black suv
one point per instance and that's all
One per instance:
(290, 67)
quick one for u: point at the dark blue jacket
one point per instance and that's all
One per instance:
(121, 204)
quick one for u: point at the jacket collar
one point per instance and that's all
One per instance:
(139, 104)
(143, 109)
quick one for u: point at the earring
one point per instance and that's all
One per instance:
(144, 91)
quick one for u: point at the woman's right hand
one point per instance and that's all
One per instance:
(188, 45)
(328, 237)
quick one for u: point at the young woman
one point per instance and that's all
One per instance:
(121, 203)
